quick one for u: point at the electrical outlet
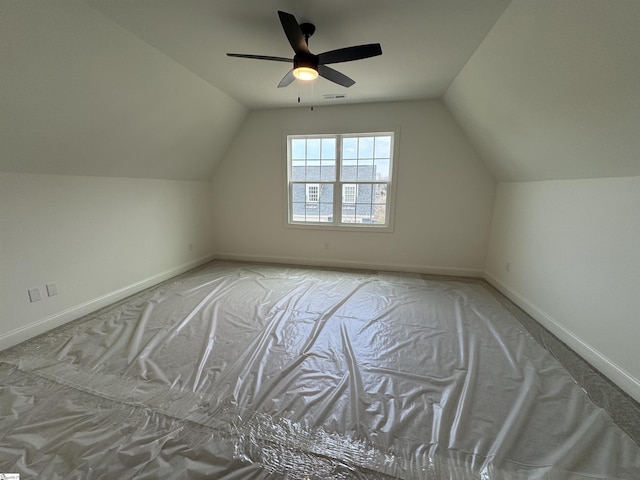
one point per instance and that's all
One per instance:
(507, 266)
(191, 247)
(34, 294)
(327, 245)
(52, 289)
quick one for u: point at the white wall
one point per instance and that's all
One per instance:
(99, 239)
(551, 96)
(573, 249)
(443, 204)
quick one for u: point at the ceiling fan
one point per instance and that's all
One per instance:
(306, 65)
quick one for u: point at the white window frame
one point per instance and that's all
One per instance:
(338, 184)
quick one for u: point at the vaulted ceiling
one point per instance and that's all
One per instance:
(143, 88)
(553, 92)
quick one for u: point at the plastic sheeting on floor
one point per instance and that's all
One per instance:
(240, 371)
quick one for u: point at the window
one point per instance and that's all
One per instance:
(349, 193)
(340, 181)
(313, 192)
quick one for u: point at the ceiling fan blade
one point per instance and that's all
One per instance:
(350, 53)
(287, 79)
(335, 76)
(260, 57)
(293, 32)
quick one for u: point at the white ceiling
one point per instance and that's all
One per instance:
(425, 43)
(544, 89)
(553, 92)
(80, 95)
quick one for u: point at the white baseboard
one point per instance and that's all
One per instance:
(52, 321)
(606, 366)
(321, 262)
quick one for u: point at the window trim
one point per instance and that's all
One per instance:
(338, 184)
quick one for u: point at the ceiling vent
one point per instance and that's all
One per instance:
(334, 96)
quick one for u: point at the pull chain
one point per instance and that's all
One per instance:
(310, 89)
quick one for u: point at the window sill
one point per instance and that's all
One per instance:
(366, 228)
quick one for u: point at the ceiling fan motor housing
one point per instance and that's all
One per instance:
(305, 60)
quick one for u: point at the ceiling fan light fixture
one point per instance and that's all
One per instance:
(305, 73)
(306, 65)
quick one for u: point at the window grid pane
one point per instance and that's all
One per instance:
(363, 163)
(313, 159)
(370, 204)
(312, 203)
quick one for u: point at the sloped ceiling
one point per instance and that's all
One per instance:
(553, 92)
(143, 88)
(80, 95)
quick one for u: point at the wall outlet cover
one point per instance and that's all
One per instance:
(52, 289)
(34, 294)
